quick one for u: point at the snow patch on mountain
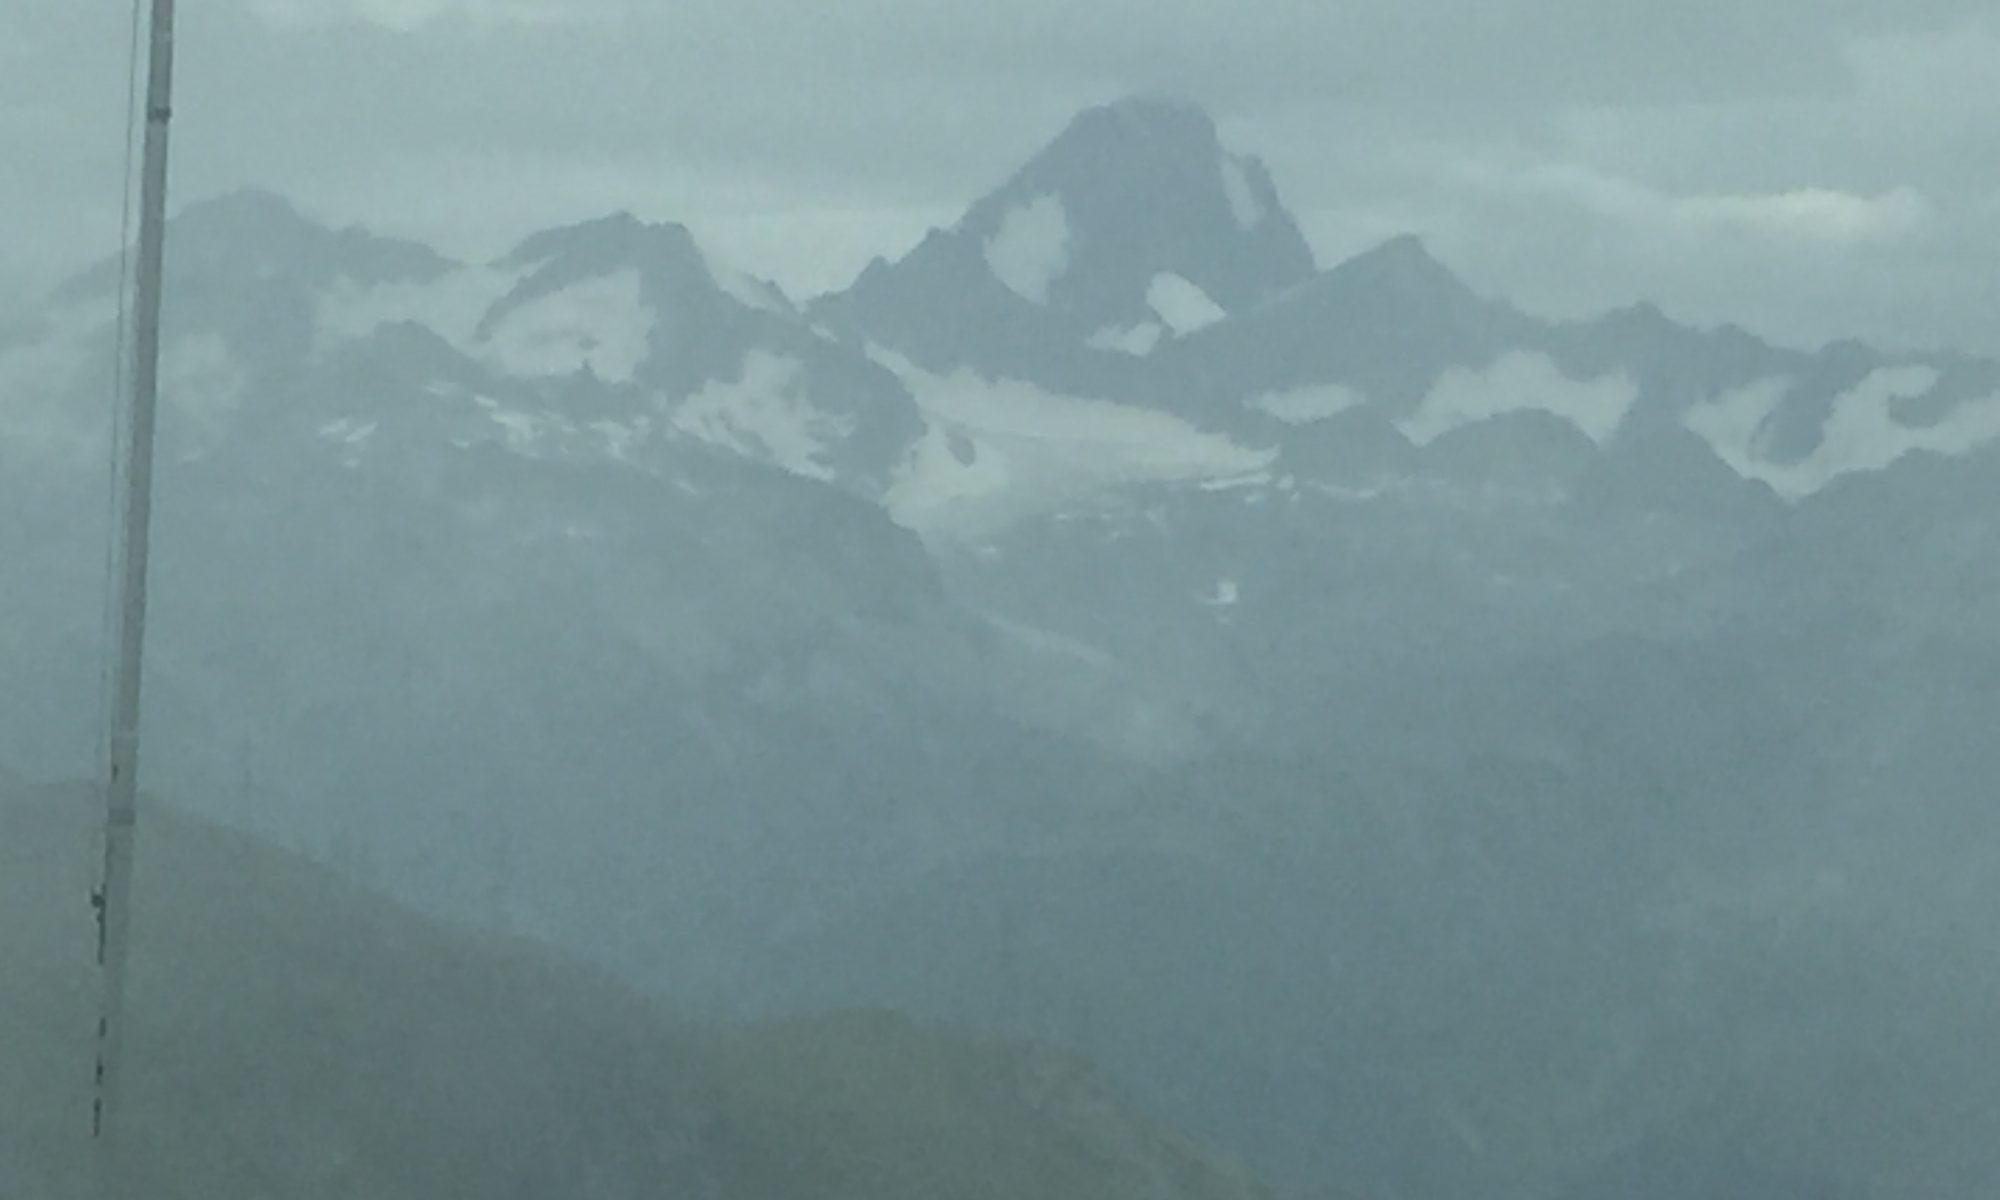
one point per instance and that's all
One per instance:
(744, 288)
(762, 414)
(1304, 406)
(348, 431)
(1181, 307)
(350, 436)
(1243, 202)
(948, 476)
(1001, 450)
(603, 324)
(1181, 304)
(1734, 423)
(541, 433)
(524, 432)
(1251, 481)
(1030, 249)
(1136, 340)
(1521, 382)
(450, 306)
(1862, 434)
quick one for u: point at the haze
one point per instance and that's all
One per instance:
(1128, 601)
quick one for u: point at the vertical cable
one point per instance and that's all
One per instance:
(113, 899)
(121, 350)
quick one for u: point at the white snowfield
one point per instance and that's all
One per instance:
(1002, 450)
(1522, 382)
(1030, 250)
(744, 288)
(1136, 340)
(451, 306)
(603, 324)
(1863, 433)
(1305, 406)
(1181, 304)
(1178, 307)
(1243, 203)
(762, 413)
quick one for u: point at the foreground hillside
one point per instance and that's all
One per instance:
(295, 1037)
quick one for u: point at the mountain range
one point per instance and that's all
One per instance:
(1428, 748)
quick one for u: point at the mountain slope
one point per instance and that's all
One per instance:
(615, 325)
(1134, 226)
(415, 587)
(1394, 332)
(290, 1033)
(1385, 323)
(718, 356)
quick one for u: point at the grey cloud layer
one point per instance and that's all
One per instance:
(1446, 116)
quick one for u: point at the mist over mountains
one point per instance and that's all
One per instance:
(1429, 749)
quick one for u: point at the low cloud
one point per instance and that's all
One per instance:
(1803, 214)
(1813, 214)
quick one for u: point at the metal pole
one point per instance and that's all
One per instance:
(113, 898)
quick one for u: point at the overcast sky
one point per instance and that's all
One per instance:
(1809, 168)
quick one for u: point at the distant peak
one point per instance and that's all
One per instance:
(623, 219)
(1848, 351)
(618, 224)
(251, 210)
(1404, 260)
(1159, 111)
(1153, 121)
(1144, 185)
(1643, 317)
(247, 199)
(254, 219)
(1157, 103)
(256, 232)
(1133, 200)
(620, 233)
(1404, 248)
(1644, 312)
